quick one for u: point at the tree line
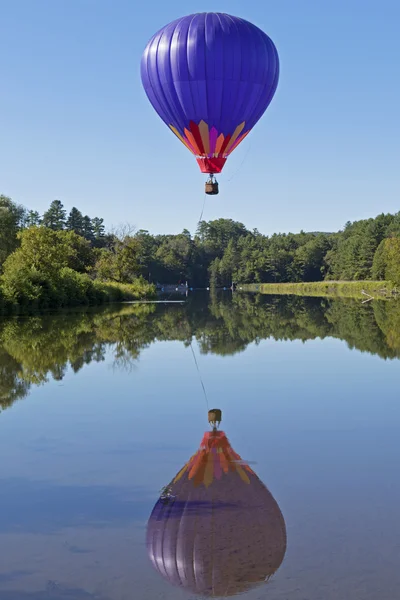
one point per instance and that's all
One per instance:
(56, 218)
(59, 259)
(35, 249)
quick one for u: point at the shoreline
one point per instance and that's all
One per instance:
(365, 290)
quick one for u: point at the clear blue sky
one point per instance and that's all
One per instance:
(76, 125)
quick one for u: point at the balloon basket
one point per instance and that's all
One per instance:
(211, 187)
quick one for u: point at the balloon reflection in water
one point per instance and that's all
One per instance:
(216, 530)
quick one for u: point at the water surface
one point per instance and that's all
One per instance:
(101, 408)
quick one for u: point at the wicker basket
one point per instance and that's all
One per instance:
(211, 188)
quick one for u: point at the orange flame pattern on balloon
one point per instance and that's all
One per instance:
(205, 142)
(213, 460)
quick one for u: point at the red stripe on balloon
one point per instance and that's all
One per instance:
(224, 145)
(196, 134)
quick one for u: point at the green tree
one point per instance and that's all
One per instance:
(353, 250)
(149, 265)
(11, 219)
(215, 235)
(32, 272)
(252, 262)
(98, 228)
(32, 219)
(309, 263)
(393, 229)
(215, 280)
(228, 264)
(87, 229)
(174, 254)
(379, 262)
(48, 251)
(387, 260)
(55, 217)
(75, 221)
(120, 263)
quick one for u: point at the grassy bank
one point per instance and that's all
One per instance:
(118, 292)
(331, 289)
(74, 289)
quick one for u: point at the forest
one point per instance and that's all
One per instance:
(66, 258)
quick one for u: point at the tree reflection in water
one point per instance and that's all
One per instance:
(34, 350)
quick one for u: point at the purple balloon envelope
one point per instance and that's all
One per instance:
(210, 77)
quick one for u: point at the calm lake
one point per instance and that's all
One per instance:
(101, 408)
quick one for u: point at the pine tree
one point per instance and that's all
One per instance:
(32, 218)
(75, 221)
(87, 228)
(55, 216)
(98, 228)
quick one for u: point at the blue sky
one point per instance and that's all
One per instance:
(76, 125)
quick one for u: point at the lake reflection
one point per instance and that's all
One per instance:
(101, 407)
(36, 349)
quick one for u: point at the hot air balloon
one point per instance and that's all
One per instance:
(210, 77)
(216, 530)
